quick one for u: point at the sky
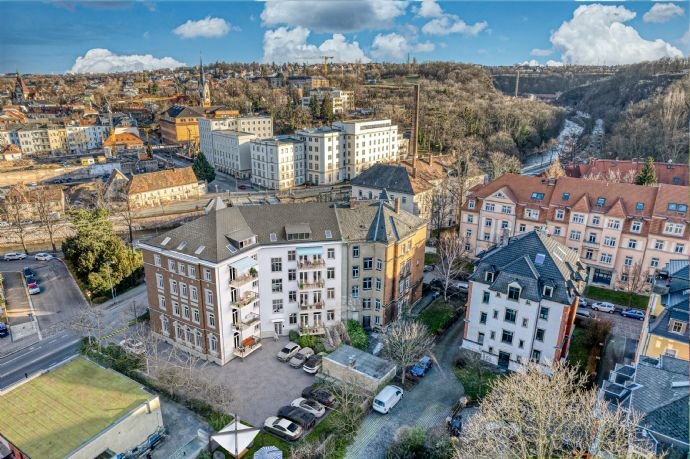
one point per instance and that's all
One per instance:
(101, 36)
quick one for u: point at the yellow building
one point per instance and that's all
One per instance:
(179, 125)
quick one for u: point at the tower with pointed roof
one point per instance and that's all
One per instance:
(204, 87)
(21, 91)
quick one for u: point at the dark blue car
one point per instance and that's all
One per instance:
(420, 368)
(4, 331)
(633, 313)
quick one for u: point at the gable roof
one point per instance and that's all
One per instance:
(521, 186)
(376, 221)
(160, 180)
(668, 173)
(181, 111)
(390, 177)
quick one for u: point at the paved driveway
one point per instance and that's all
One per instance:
(18, 308)
(261, 384)
(427, 405)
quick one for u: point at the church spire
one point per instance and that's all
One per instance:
(204, 88)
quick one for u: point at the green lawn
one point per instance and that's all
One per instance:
(619, 298)
(57, 412)
(476, 384)
(264, 439)
(430, 258)
(437, 314)
(578, 353)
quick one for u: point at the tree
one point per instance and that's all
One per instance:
(405, 342)
(647, 175)
(45, 213)
(327, 108)
(500, 163)
(452, 256)
(314, 108)
(541, 414)
(203, 169)
(555, 170)
(15, 211)
(632, 280)
(349, 408)
(418, 443)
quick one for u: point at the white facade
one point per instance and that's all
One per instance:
(224, 141)
(325, 161)
(343, 101)
(366, 143)
(278, 163)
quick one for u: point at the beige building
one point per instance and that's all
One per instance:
(278, 162)
(155, 188)
(614, 227)
(342, 101)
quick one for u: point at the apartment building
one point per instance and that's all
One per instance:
(156, 188)
(221, 283)
(613, 227)
(366, 143)
(278, 162)
(325, 165)
(179, 124)
(599, 169)
(342, 101)
(522, 301)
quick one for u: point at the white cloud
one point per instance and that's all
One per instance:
(290, 45)
(541, 52)
(99, 60)
(450, 23)
(396, 47)
(597, 35)
(552, 63)
(531, 63)
(429, 9)
(333, 16)
(662, 12)
(203, 28)
(685, 39)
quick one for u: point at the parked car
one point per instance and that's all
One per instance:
(387, 399)
(583, 302)
(312, 406)
(429, 268)
(34, 289)
(242, 186)
(454, 421)
(133, 346)
(301, 357)
(288, 351)
(14, 256)
(603, 306)
(301, 417)
(26, 222)
(313, 364)
(4, 330)
(42, 256)
(633, 313)
(28, 272)
(283, 428)
(420, 368)
(320, 395)
(583, 313)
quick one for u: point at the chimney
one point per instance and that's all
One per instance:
(414, 170)
(415, 125)
(397, 205)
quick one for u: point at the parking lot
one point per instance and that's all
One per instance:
(18, 308)
(261, 384)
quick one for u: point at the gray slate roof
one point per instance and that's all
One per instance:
(675, 302)
(369, 364)
(517, 262)
(385, 176)
(376, 221)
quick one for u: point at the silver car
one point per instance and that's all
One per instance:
(301, 357)
(287, 352)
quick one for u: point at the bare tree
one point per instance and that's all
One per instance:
(405, 342)
(632, 280)
(125, 211)
(350, 407)
(89, 321)
(500, 163)
(43, 200)
(439, 205)
(555, 170)
(543, 414)
(452, 257)
(15, 211)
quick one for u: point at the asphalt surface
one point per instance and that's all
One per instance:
(18, 308)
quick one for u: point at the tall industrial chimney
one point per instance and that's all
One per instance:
(415, 126)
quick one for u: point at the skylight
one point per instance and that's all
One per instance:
(601, 202)
(538, 196)
(539, 259)
(672, 206)
(566, 196)
(182, 245)
(199, 250)
(329, 234)
(639, 206)
(231, 248)
(165, 241)
(273, 237)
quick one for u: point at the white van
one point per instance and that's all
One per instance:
(387, 399)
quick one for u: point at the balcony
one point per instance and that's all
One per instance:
(311, 285)
(246, 299)
(249, 320)
(311, 264)
(248, 346)
(592, 244)
(309, 306)
(315, 330)
(242, 280)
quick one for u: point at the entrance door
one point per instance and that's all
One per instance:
(236, 340)
(278, 328)
(503, 359)
(366, 322)
(602, 276)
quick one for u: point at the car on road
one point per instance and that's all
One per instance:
(387, 399)
(582, 302)
(320, 395)
(603, 306)
(133, 346)
(301, 357)
(420, 368)
(4, 330)
(429, 268)
(633, 313)
(242, 186)
(34, 289)
(26, 222)
(313, 364)
(28, 272)
(14, 256)
(301, 417)
(312, 406)
(283, 428)
(42, 256)
(583, 313)
(287, 352)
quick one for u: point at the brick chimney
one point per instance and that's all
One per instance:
(397, 205)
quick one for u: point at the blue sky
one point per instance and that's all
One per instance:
(50, 36)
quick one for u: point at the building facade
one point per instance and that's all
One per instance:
(325, 163)
(156, 188)
(342, 101)
(522, 302)
(278, 162)
(366, 143)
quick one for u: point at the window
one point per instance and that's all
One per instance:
(532, 214)
(176, 308)
(610, 241)
(596, 220)
(470, 204)
(639, 205)
(504, 224)
(536, 355)
(209, 297)
(680, 248)
(171, 265)
(676, 326)
(192, 271)
(330, 314)
(470, 218)
(522, 228)
(292, 319)
(525, 322)
(521, 344)
(578, 218)
(207, 275)
(377, 304)
(366, 283)
(589, 254)
(181, 269)
(659, 245)
(183, 289)
(628, 261)
(605, 258)
(276, 285)
(355, 272)
(480, 338)
(159, 281)
(330, 293)
(355, 291)
(482, 318)
(673, 228)
(505, 209)
(539, 336)
(488, 222)
(195, 315)
(292, 296)
(379, 264)
(495, 314)
(575, 235)
(366, 303)
(538, 196)
(277, 305)
(544, 313)
(161, 301)
(485, 297)
(632, 243)
(510, 315)
(566, 196)
(601, 202)
(636, 227)
(156, 259)
(654, 262)
(489, 207)
(614, 224)
(173, 286)
(487, 236)
(492, 335)
(556, 230)
(330, 253)
(513, 293)
(292, 255)
(355, 251)
(368, 263)
(378, 284)
(507, 337)
(560, 214)
(548, 291)
(276, 265)
(330, 273)
(292, 274)
(185, 312)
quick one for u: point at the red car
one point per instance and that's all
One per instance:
(242, 187)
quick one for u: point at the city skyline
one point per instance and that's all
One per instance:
(83, 37)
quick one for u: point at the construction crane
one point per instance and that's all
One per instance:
(325, 64)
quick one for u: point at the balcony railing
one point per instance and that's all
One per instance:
(315, 330)
(242, 280)
(315, 305)
(311, 285)
(248, 321)
(246, 299)
(311, 264)
(248, 346)
(593, 244)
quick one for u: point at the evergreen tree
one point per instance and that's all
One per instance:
(647, 175)
(203, 169)
(314, 107)
(327, 109)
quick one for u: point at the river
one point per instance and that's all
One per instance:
(536, 164)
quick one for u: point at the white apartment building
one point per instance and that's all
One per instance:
(56, 139)
(325, 163)
(366, 143)
(522, 302)
(342, 101)
(225, 141)
(278, 163)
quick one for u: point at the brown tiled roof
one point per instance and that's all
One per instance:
(423, 174)
(126, 138)
(520, 187)
(670, 174)
(10, 149)
(592, 190)
(671, 194)
(160, 180)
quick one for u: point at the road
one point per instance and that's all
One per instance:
(536, 164)
(426, 406)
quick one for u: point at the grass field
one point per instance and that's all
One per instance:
(57, 412)
(618, 298)
(578, 353)
(437, 314)
(476, 383)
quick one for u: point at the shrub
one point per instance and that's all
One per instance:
(358, 338)
(308, 341)
(293, 336)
